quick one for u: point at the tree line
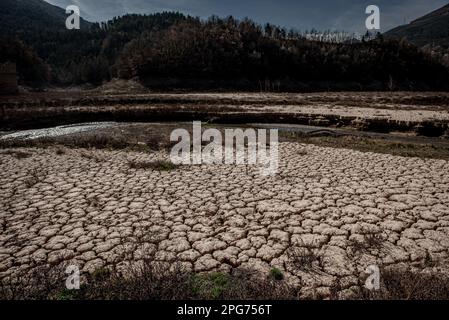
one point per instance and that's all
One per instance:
(166, 47)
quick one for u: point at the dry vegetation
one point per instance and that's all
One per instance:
(430, 150)
(160, 165)
(17, 154)
(133, 137)
(153, 137)
(146, 279)
(153, 280)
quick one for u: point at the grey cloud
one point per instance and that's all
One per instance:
(348, 15)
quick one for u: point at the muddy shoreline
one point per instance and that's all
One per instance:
(47, 117)
(425, 114)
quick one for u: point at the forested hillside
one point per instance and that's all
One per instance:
(431, 29)
(171, 50)
(19, 16)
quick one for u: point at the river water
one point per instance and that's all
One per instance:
(304, 129)
(56, 131)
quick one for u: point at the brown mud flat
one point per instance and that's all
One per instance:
(425, 114)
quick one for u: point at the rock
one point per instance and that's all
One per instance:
(206, 263)
(279, 235)
(93, 265)
(209, 245)
(189, 255)
(85, 247)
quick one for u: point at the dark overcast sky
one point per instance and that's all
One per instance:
(348, 15)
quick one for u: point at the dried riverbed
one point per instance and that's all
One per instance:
(329, 213)
(81, 206)
(421, 113)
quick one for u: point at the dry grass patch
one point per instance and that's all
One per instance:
(90, 155)
(34, 177)
(303, 258)
(159, 165)
(366, 144)
(370, 241)
(145, 280)
(398, 284)
(60, 150)
(17, 154)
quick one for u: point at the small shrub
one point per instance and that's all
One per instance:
(371, 241)
(66, 294)
(93, 201)
(91, 156)
(302, 258)
(415, 285)
(60, 151)
(276, 274)
(34, 177)
(399, 284)
(160, 165)
(101, 274)
(211, 285)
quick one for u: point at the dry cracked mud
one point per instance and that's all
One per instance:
(327, 215)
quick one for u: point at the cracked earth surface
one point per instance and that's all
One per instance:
(219, 217)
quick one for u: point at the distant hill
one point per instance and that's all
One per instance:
(32, 14)
(170, 50)
(431, 29)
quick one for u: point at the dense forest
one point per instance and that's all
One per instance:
(168, 50)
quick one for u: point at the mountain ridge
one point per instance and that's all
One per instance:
(430, 29)
(170, 50)
(32, 14)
